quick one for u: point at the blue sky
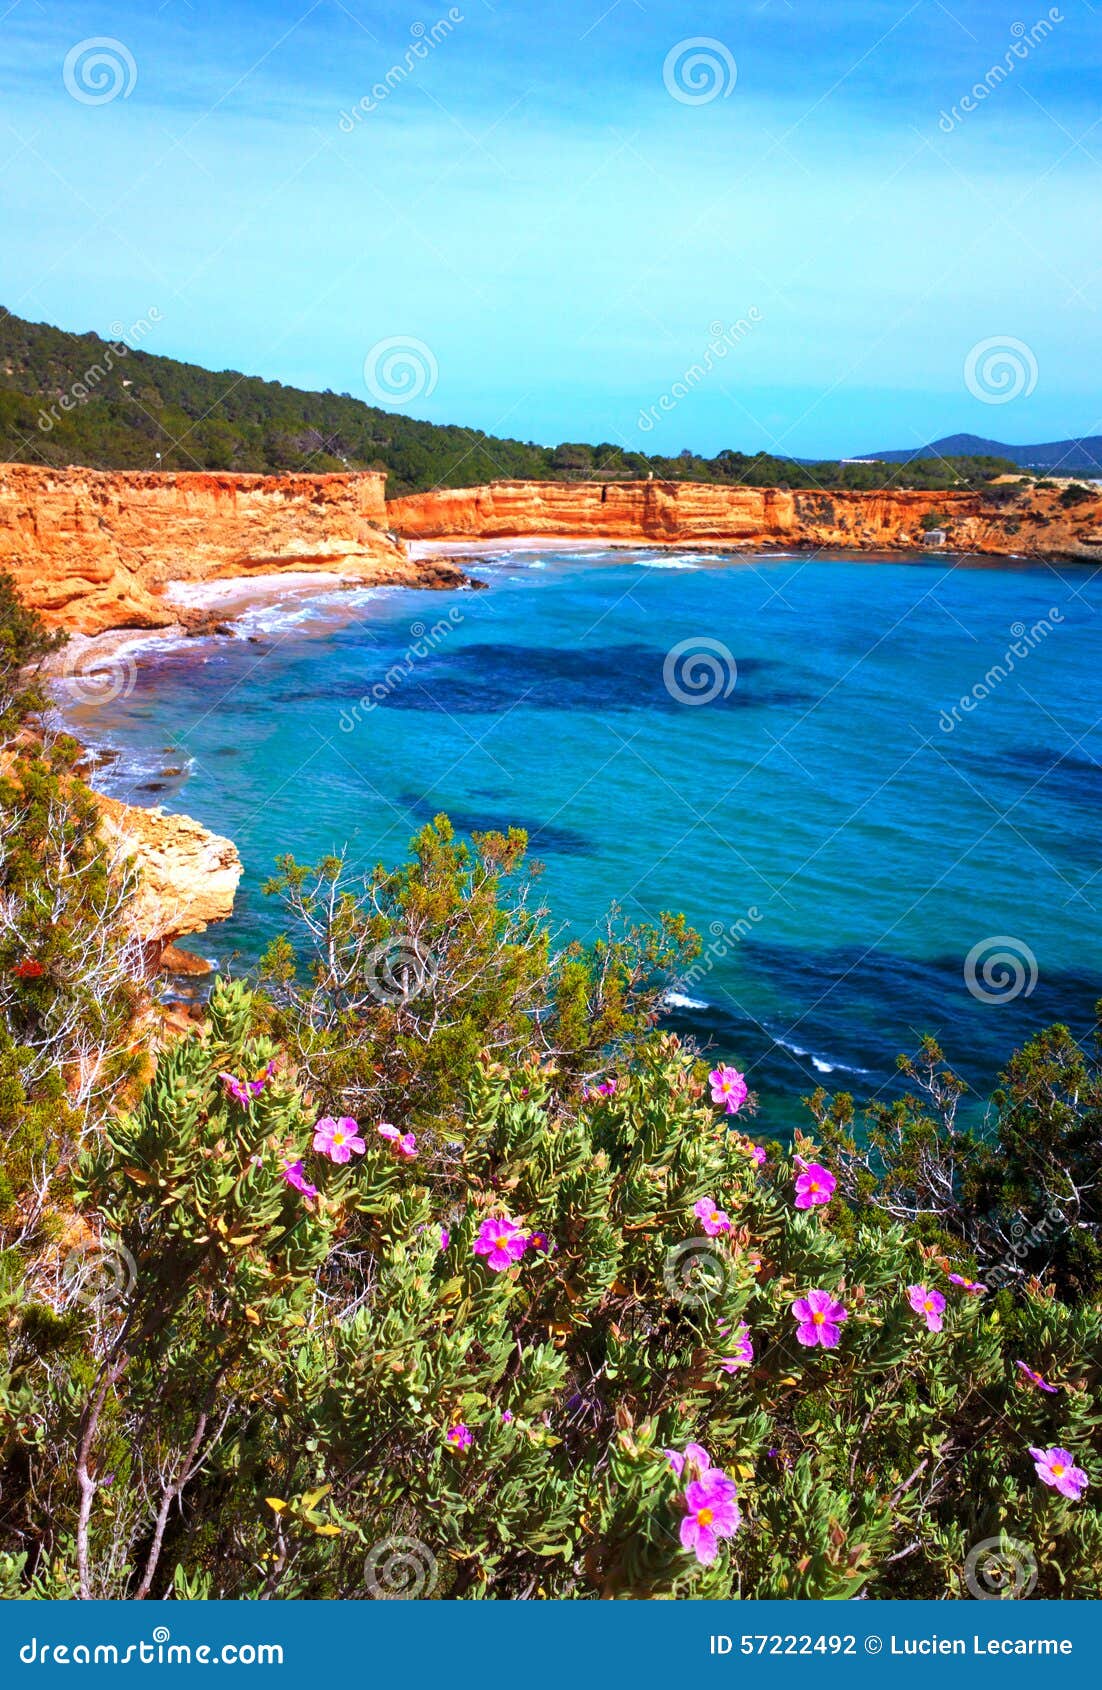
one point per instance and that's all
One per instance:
(561, 231)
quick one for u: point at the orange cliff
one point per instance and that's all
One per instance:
(697, 513)
(92, 550)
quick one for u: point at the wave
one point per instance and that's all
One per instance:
(679, 1000)
(819, 1063)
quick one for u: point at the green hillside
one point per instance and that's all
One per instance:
(78, 399)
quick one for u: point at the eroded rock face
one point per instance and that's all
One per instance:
(92, 550)
(187, 875)
(695, 513)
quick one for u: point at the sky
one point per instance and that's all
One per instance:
(538, 221)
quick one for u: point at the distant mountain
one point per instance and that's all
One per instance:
(1059, 457)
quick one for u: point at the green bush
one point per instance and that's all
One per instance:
(273, 1382)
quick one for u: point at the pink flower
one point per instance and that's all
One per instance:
(445, 1239)
(1036, 1379)
(968, 1284)
(929, 1304)
(295, 1174)
(711, 1513)
(814, 1184)
(695, 1454)
(501, 1242)
(403, 1144)
(743, 1350)
(713, 1220)
(460, 1437)
(607, 1088)
(1055, 1467)
(540, 1241)
(729, 1088)
(507, 1416)
(819, 1319)
(757, 1153)
(245, 1090)
(338, 1139)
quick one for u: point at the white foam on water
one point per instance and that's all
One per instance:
(679, 1000)
(819, 1063)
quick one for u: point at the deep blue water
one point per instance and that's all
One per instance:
(840, 842)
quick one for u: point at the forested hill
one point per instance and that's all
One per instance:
(78, 399)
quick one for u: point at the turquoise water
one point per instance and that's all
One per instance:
(839, 840)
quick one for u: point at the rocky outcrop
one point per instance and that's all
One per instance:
(187, 877)
(679, 513)
(92, 550)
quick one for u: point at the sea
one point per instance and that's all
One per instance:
(871, 783)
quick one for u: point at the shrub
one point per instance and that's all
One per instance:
(320, 1395)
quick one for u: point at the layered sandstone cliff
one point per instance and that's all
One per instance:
(696, 513)
(92, 550)
(187, 877)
